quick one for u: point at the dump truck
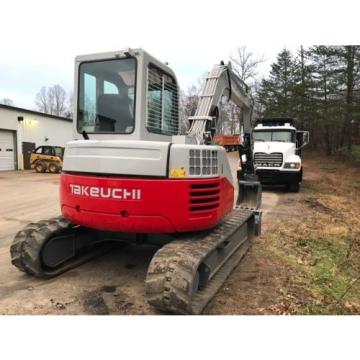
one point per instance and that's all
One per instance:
(277, 152)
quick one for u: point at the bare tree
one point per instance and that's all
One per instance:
(245, 64)
(52, 100)
(188, 102)
(59, 95)
(42, 101)
(6, 101)
(69, 106)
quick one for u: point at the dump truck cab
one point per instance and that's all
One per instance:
(277, 149)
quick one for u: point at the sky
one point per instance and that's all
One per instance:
(40, 39)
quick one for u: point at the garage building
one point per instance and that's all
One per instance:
(22, 131)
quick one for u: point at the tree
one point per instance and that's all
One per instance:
(245, 64)
(327, 95)
(70, 106)
(303, 105)
(6, 101)
(60, 98)
(350, 66)
(52, 100)
(276, 92)
(188, 102)
(321, 88)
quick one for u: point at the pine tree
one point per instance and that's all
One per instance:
(327, 95)
(303, 108)
(276, 93)
(349, 57)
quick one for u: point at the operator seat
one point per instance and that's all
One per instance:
(113, 113)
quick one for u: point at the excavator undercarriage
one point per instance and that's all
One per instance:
(183, 276)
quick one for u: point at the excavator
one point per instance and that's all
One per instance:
(129, 177)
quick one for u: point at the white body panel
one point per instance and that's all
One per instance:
(123, 157)
(145, 158)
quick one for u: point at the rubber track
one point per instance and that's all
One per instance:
(172, 270)
(26, 248)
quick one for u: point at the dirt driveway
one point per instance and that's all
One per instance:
(114, 283)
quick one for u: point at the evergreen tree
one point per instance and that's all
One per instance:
(349, 57)
(276, 93)
(303, 96)
(327, 95)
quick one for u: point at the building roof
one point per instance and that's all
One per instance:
(14, 108)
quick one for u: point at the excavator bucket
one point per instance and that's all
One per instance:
(249, 194)
(250, 198)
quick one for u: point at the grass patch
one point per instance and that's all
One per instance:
(319, 266)
(321, 247)
(330, 272)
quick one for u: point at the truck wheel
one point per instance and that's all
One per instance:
(294, 187)
(53, 168)
(40, 167)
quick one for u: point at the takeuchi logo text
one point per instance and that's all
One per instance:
(105, 192)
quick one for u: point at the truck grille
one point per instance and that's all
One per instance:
(204, 197)
(268, 160)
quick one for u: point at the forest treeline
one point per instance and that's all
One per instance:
(320, 87)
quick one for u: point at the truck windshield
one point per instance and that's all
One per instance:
(106, 96)
(284, 136)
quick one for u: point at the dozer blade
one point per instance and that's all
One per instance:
(249, 195)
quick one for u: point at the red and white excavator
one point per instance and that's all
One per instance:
(129, 176)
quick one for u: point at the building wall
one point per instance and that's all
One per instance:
(35, 128)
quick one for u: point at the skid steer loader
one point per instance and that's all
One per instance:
(47, 158)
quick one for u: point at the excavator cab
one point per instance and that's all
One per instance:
(125, 95)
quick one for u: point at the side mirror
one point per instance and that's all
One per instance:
(302, 139)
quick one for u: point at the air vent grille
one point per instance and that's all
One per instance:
(204, 197)
(203, 162)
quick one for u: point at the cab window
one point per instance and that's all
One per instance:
(47, 150)
(162, 102)
(105, 101)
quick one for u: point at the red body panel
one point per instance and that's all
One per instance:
(145, 205)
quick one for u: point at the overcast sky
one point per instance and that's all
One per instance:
(39, 39)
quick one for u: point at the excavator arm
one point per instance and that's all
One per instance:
(221, 86)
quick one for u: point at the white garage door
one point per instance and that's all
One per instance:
(7, 150)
